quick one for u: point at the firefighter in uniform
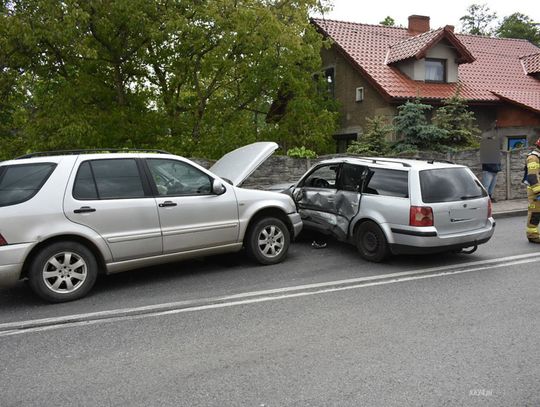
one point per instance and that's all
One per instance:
(533, 193)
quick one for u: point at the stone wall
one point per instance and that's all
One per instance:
(282, 170)
(286, 170)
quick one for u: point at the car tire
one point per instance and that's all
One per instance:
(371, 242)
(63, 271)
(268, 241)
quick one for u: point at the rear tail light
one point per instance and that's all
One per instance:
(3, 241)
(420, 216)
(490, 208)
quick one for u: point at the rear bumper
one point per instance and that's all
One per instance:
(406, 243)
(10, 274)
(296, 222)
(11, 262)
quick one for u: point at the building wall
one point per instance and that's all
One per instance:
(512, 116)
(346, 80)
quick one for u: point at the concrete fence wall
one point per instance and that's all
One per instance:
(283, 169)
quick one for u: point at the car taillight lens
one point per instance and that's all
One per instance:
(490, 208)
(3, 241)
(420, 216)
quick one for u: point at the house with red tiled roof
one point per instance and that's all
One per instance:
(372, 69)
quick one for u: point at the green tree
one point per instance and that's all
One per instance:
(458, 123)
(413, 130)
(374, 140)
(388, 21)
(196, 77)
(478, 19)
(519, 25)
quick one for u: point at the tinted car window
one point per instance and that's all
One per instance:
(387, 182)
(449, 184)
(19, 183)
(178, 178)
(108, 179)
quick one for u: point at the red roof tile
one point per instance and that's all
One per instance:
(497, 69)
(531, 63)
(417, 46)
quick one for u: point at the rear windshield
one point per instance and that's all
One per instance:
(19, 183)
(449, 184)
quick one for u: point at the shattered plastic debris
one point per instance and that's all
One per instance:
(318, 245)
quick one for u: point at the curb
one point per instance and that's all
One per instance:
(509, 214)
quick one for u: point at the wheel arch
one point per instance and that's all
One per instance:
(273, 212)
(59, 238)
(385, 230)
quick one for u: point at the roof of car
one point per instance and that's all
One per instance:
(390, 162)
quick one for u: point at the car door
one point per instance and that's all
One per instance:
(113, 197)
(191, 215)
(315, 197)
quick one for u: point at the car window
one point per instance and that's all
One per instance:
(381, 181)
(173, 178)
(322, 177)
(449, 184)
(351, 177)
(19, 183)
(108, 179)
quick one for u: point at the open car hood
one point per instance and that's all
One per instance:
(239, 164)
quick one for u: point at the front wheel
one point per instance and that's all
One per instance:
(63, 271)
(268, 241)
(371, 242)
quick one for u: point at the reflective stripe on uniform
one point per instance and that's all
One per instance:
(533, 166)
(532, 231)
(536, 188)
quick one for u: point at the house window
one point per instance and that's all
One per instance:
(359, 94)
(330, 80)
(435, 70)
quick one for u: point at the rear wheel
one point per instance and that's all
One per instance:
(268, 241)
(63, 271)
(371, 242)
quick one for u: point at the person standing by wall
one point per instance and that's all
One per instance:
(490, 157)
(489, 177)
(533, 193)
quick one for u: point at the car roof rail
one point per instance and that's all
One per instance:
(382, 160)
(91, 151)
(432, 160)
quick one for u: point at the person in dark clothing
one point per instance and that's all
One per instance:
(489, 177)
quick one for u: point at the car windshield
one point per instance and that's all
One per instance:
(449, 184)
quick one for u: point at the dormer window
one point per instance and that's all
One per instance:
(435, 70)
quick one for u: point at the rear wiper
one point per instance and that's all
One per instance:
(470, 197)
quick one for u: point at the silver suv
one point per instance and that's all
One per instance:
(65, 218)
(395, 206)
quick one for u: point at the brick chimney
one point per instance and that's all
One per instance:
(418, 24)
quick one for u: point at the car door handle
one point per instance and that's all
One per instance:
(84, 209)
(167, 203)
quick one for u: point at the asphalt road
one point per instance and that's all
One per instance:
(322, 329)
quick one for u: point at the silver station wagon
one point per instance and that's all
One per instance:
(395, 206)
(64, 218)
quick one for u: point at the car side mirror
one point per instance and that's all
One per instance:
(218, 188)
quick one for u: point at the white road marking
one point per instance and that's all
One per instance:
(126, 314)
